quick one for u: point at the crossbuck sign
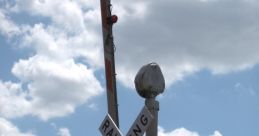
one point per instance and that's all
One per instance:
(109, 128)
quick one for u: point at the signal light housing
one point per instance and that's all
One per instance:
(113, 19)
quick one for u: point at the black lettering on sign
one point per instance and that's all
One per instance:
(139, 125)
(110, 132)
(137, 130)
(105, 126)
(143, 120)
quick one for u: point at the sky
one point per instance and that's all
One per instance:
(52, 80)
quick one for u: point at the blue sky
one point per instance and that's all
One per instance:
(52, 78)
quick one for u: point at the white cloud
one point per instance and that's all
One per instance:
(187, 36)
(216, 133)
(8, 129)
(7, 27)
(64, 13)
(56, 87)
(177, 132)
(53, 80)
(13, 100)
(64, 132)
(182, 132)
(126, 10)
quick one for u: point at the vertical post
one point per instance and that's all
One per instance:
(108, 45)
(153, 107)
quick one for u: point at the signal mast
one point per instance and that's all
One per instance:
(107, 22)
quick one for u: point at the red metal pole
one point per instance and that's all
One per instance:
(107, 22)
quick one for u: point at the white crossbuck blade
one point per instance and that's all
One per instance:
(141, 123)
(109, 128)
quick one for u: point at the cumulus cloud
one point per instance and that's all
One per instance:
(176, 132)
(182, 132)
(64, 132)
(13, 100)
(216, 133)
(58, 75)
(8, 129)
(56, 88)
(64, 13)
(186, 36)
(54, 42)
(7, 27)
